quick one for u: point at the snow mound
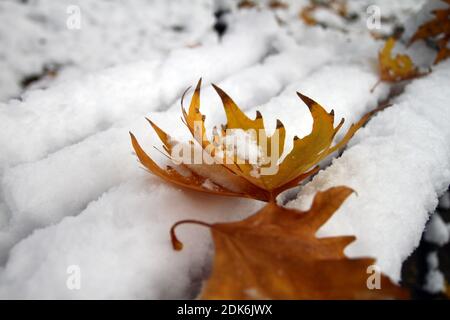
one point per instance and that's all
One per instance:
(118, 32)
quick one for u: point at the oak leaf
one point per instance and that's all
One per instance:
(230, 174)
(275, 254)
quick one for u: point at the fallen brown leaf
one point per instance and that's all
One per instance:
(275, 254)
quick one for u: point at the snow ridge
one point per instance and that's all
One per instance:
(399, 165)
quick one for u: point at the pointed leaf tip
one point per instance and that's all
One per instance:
(151, 122)
(219, 91)
(308, 101)
(199, 84)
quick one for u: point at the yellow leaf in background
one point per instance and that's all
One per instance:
(246, 4)
(306, 15)
(273, 4)
(444, 50)
(277, 4)
(337, 7)
(398, 68)
(437, 29)
(275, 254)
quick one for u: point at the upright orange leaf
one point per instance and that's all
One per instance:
(274, 169)
(275, 254)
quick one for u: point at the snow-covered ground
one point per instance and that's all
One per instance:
(73, 194)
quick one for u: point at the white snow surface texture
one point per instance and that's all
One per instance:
(73, 193)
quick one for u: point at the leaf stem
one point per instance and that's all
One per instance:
(177, 244)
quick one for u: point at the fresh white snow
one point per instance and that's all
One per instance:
(434, 280)
(111, 33)
(444, 201)
(437, 232)
(399, 165)
(73, 193)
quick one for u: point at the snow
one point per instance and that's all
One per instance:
(424, 15)
(118, 32)
(437, 231)
(444, 201)
(71, 111)
(248, 151)
(208, 184)
(72, 193)
(434, 280)
(399, 165)
(121, 244)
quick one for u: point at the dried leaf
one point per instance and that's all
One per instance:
(233, 176)
(398, 68)
(246, 4)
(339, 7)
(273, 4)
(306, 15)
(275, 254)
(444, 50)
(277, 4)
(438, 30)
